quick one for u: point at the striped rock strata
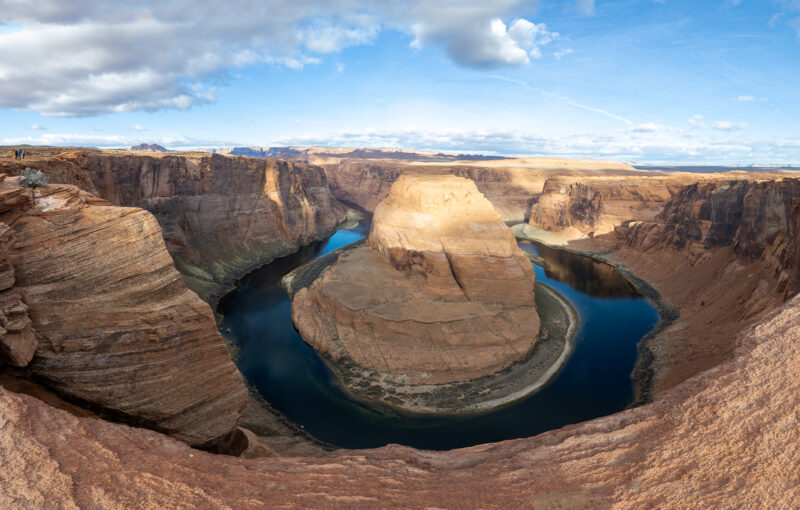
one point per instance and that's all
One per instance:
(116, 328)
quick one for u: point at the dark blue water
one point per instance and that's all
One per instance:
(595, 380)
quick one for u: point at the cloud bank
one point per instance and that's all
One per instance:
(83, 58)
(652, 143)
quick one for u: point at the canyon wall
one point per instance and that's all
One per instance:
(221, 216)
(115, 327)
(723, 252)
(759, 220)
(510, 186)
(596, 205)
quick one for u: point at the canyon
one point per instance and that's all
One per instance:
(220, 216)
(94, 308)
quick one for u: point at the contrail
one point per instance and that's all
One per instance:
(564, 99)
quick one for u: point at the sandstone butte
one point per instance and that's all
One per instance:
(721, 431)
(440, 294)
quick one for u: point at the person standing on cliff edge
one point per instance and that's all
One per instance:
(16, 153)
(22, 153)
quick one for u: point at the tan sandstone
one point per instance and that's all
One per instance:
(115, 326)
(441, 293)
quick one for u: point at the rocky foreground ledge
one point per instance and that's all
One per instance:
(728, 438)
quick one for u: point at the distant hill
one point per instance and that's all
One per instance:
(305, 153)
(711, 169)
(149, 148)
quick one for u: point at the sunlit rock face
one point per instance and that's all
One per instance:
(597, 205)
(441, 293)
(444, 231)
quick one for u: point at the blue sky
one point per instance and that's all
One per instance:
(664, 81)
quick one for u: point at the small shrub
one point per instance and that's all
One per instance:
(34, 178)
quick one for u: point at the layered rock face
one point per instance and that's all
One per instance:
(17, 338)
(597, 205)
(441, 293)
(115, 325)
(726, 439)
(759, 220)
(510, 186)
(220, 216)
(442, 229)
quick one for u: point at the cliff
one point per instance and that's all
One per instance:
(726, 438)
(758, 220)
(510, 185)
(441, 293)
(115, 327)
(220, 216)
(596, 205)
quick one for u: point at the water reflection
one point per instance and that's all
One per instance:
(587, 275)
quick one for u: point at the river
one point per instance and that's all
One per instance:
(595, 380)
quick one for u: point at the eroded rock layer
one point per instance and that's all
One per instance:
(759, 220)
(595, 205)
(116, 327)
(440, 294)
(220, 216)
(725, 439)
(443, 230)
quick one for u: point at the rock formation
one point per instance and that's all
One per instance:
(510, 185)
(115, 326)
(17, 339)
(151, 147)
(596, 205)
(726, 438)
(759, 220)
(441, 294)
(220, 216)
(443, 229)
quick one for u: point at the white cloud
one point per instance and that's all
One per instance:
(37, 127)
(138, 127)
(91, 57)
(647, 127)
(749, 99)
(727, 125)
(563, 53)
(340, 67)
(697, 121)
(474, 40)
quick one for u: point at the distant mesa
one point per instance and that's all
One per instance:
(323, 154)
(440, 294)
(151, 147)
